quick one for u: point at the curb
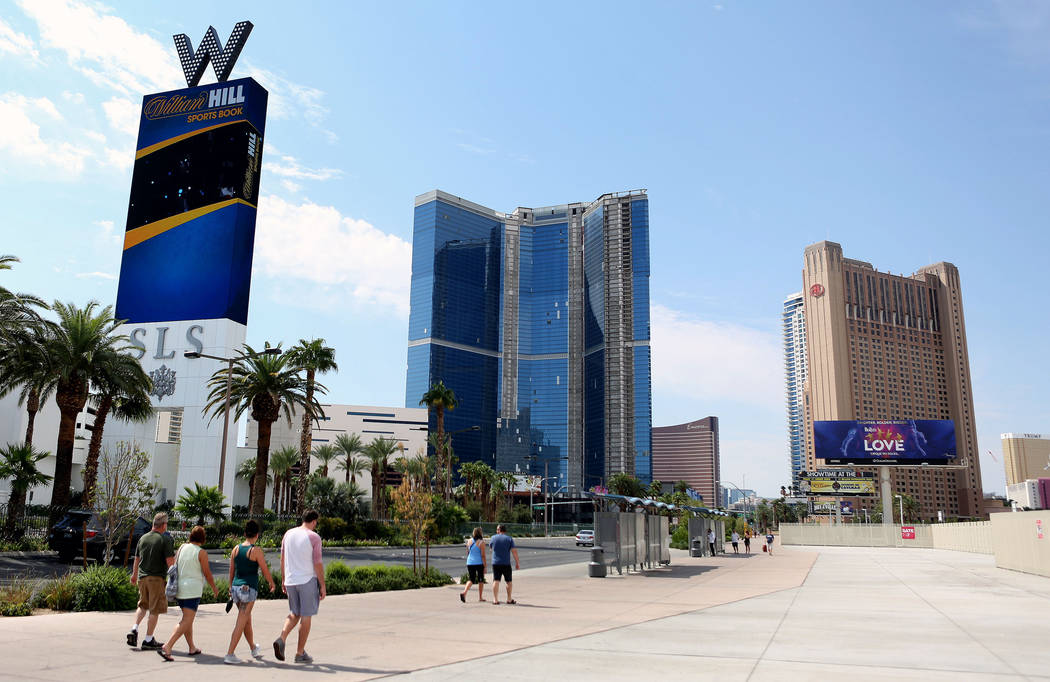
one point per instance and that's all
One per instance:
(28, 555)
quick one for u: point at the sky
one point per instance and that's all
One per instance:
(910, 133)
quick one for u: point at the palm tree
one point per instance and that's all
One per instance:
(282, 461)
(246, 471)
(378, 453)
(25, 366)
(349, 446)
(438, 399)
(326, 453)
(312, 356)
(269, 385)
(203, 501)
(123, 388)
(18, 462)
(78, 344)
(17, 311)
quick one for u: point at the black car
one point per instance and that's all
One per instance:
(68, 538)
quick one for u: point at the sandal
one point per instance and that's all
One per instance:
(495, 603)
(463, 597)
(165, 655)
(196, 652)
(511, 601)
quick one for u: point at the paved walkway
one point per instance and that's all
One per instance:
(805, 613)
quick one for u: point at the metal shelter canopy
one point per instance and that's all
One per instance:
(653, 504)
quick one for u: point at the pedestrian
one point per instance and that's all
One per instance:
(192, 563)
(769, 541)
(711, 540)
(747, 542)
(475, 565)
(303, 574)
(154, 553)
(245, 563)
(735, 539)
(502, 548)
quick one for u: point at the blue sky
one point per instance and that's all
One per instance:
(908, 132)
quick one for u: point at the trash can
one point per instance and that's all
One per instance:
(596, 569)
(696, 548)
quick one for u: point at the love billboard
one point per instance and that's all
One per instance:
(899, 441)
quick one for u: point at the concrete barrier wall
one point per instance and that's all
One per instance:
(1015, 538)
(852, 535)
(973, 537)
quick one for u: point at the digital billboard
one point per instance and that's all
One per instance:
(836, 483)
(900, 441)
(190, 231)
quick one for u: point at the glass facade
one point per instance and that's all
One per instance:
(491, 317)
(795, 376)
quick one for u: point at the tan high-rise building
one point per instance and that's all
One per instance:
(884, 346)
(1025, 456)
(689, 452)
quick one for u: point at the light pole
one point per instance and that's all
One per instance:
(193, 355)
(742, 495)
(546, 498)
(900, 498)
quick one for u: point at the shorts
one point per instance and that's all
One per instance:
(735, 545)
(304, 600)
(501, 572)
(242, 595)
(151, 594)
(475, 572)
(190, 604)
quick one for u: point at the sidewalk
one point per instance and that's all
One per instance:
(801, 614)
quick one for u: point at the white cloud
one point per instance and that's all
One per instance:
(715, 361)
(16, 43)
(21, 139)
(289, 167)
(291, 186)
(103, 47)
(338, 256)
(291, 100)
(122, 114)
(74, 97)
(107, 233)
(95, 275)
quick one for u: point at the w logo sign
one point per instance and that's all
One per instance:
(222, 59)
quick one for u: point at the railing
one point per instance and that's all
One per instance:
(32, 522)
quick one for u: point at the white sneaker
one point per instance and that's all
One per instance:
(231, 659)
(257, 652)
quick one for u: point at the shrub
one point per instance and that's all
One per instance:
(330, 527)
(474, 510)
(224, 592)
(342, 579)
(57, 594)
(434, 578)
(680, 537)
(16, 598)
(264, 588)
(103, 588)
(23, 544)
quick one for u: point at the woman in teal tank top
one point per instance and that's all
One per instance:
(245, 563)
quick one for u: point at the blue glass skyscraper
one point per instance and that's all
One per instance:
(538, 320)
(795, 376)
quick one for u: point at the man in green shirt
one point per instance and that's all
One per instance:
(153, 555)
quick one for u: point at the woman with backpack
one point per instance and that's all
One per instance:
(191, 563)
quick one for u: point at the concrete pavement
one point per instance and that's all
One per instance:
(801, 614)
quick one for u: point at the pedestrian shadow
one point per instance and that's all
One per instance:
(678, 571)
(330, 668)
(534, 606)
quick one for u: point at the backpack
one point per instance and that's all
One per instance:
(172, 588)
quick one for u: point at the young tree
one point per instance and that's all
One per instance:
(282, 461)
(246, 472)
(18, 463)
(313, 357)
(413, 507)
(122, 493)
(326, 454)
(350, 446)
(203, 501)
(378, 453)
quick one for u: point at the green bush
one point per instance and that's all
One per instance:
(474, 510)
(56, 594)
(342, 579)
(16, 598)
(224, 592)
(24, 544)
(680, 537)
(434, 578)
(334, 528)
(103, 588)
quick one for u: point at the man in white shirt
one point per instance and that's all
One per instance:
(303, 573)
(711, 540)
(736, 539)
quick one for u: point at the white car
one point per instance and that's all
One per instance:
(585, 537)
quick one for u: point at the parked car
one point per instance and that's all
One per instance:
(67, 537)
(585, 537)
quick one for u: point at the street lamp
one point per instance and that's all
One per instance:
(901, 499)
(742, 495)
(194, 355)
(546, 496)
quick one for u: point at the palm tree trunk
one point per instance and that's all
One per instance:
(32, 407)
(94, 448)
(67, 429)
(305, 440)
(443, 452)
(15, 504)
(262, 464)
(277, 494)
(251, 491)
(375, 491)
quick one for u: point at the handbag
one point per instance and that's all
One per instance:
(172, 588)
(763, 548)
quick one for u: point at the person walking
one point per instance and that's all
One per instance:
(245, 563)
(154, 553)
(502, 548)
(769, 541)
(711, 540)
(192, 562)
(303, 574)
(735, 539)
(475, 565)
(747, 542)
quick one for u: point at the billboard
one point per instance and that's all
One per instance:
(828, 508)
(191, 219)
(836, 483)
(899, 441)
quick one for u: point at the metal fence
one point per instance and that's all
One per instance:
(31, 523)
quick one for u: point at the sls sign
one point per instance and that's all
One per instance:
(210, 49)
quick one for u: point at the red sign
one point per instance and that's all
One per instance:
(817, 290)
(1039, 529)
(907, 532)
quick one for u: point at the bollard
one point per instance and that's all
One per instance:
(596, 569)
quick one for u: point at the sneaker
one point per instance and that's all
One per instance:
(257, 652)
(133, 638)
(152, 644)
(304, 658)
(278, 649)
(231, 659)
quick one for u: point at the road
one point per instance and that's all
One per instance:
(533, 552)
